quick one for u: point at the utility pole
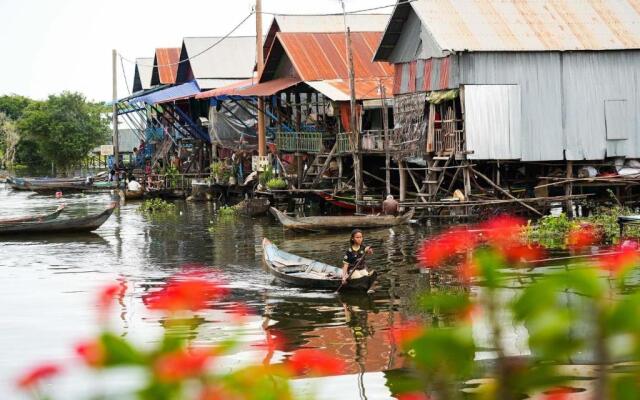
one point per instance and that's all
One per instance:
(114, 116)
(355, 135)
(385, 124)
(262, 137)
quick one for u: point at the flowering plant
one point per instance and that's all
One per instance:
(174, 368)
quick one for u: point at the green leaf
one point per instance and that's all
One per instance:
(119, 351)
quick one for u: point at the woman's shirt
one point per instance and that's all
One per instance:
(352, 256)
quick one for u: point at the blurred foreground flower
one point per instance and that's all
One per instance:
(191, 291)
(315, 362)
(34, 376)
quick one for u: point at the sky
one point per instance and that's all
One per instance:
(51, 46)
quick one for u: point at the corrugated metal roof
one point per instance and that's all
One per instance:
(331, 23)
(322, 56)
(143, 73)
(230, 59)
(172, 93)
(338, 89)
(522, 25)
(269, 88)
(165, 66)
(228, 90)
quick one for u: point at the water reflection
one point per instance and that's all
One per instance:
(48, 283)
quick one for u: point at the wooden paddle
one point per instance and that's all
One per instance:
(356, 265)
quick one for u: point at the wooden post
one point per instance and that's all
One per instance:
(403, 182)
(262, 138)
(114, 117)
(568, 189)
(299, 169)
(466, 173)
(385, 124)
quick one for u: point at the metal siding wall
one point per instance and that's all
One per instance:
(493, 126)
(591, 78)
(538, 75)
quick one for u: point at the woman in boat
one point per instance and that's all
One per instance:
(352, 262)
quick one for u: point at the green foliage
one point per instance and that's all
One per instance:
(9, 139)
(28, 155)
(266, 176)
(157, 208)
(226, 211)
(172, 174)
(276, 183)
(13, 106)
(65, 127)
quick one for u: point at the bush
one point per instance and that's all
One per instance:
(276, 183)
(157, 208)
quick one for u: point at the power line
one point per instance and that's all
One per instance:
(353, 12)
(126, 81)
(198, 54)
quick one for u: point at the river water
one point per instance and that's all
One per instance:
(48, 286)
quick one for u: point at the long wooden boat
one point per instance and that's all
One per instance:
(31, 218)
(346, 203)
(81, 224)
(303, 272)
(340, 222)
(50, 184)
(253, 207)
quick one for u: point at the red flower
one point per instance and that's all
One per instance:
(560, 393)
(181, 364)
(519, 253)
(582, 236)
(619, 261)
(315, 362)
(413, 396)
(406, 332)
(92, 353)
(435, 251)
(191, 291)
(218, 393)
(503, 229)
(35, 375)
(108, 293)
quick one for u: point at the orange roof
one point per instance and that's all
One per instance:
(165, 64)
(323, 56)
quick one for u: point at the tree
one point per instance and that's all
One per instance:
(9, 139)
(14, 105)
(66, 128)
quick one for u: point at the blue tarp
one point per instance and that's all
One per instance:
(172, 93)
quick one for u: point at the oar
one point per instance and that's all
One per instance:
(357, 264)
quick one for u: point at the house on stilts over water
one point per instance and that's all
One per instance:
(514, 103)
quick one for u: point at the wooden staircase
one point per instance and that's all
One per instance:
(313, 174)
(436, 172)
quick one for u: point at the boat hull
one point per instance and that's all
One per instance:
(340, 222)
(82, 224)
(303, 272)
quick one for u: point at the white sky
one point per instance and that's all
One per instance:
(48, 46)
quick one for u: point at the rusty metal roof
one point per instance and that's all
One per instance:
(165, 66)
(322, 56)
(521, 25)
(366, 89)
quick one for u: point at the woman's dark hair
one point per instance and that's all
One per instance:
(353, 233)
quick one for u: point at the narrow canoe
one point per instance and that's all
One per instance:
(133, 194)
(49, 184)
(303, 272)
(340, 222)
(31, 218)
(81, 224)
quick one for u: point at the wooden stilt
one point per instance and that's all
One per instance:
(568, 189)
(403, 181)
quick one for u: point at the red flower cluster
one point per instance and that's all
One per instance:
(37, 374)
(502, 232)
(181, 364)
(413, 396)
(108, 293)
(619, 260)
(92, 353)
(406, 332)
(583, 236)
(561, 393)
(436, 251)
(315, 362)
(189, 291)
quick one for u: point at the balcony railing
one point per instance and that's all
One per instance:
(308, 142)
(372, 142)
(450, 142)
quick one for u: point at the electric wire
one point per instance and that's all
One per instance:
(353, 12)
